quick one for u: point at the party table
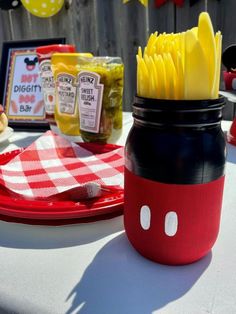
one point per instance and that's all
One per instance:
(92, 268)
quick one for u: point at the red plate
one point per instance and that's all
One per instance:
(57, 212)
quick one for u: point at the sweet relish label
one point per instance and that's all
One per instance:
(90, 94)
(66, 90)
(48, 86)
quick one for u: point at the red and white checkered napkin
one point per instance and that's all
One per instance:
(54, 166)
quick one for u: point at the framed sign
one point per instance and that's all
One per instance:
(20, 85)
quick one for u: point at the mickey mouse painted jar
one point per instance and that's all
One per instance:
(174, 178)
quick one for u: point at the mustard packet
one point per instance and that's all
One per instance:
(65, 68)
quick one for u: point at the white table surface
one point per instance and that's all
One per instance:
(91, 268)
(230, 95)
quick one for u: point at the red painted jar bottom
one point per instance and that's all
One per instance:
(172, 223)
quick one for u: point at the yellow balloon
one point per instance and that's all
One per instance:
(44, 8)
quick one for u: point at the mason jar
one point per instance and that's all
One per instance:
(174, 177)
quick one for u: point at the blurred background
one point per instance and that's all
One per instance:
(109, 27)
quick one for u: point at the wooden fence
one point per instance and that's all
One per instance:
(109, 27)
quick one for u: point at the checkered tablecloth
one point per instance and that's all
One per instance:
(52, 166)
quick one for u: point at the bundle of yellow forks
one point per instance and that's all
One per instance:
(181, 65)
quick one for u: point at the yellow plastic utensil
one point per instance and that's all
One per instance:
(183, 65)
(180, 77)
(218, 41)
(207, 40)
(144, 86)
(152, 76)
(160, 67)
(171, 76)
(195, 30)
(182, 46)
(197, 85)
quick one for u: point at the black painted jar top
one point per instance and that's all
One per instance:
(186, 113)
(176, 141)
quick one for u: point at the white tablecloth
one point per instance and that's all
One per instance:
(92, 268)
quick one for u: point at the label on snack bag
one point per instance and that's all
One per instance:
(90, 93)
(66, 91)
(48, 85)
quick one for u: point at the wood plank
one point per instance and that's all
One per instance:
(63, 24)
(28, 26)
(108, 27)
(5, 27)
(187, 16)
(85, 22)
(214, 9)
(226, 21)
(21, 28)
(161, 19)
(2, 35)
(134, 30)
